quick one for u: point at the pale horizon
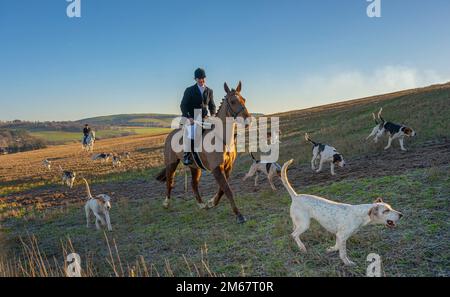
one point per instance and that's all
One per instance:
(256, 112)
(57, 68)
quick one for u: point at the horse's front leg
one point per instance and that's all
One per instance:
(214, 201)
(196, 174)
(219, 175)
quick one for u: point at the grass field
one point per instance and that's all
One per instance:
(144, 119)
(263, 246)
(62, 137)
(149, 240)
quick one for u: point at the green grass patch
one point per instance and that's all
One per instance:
(263, 246)
(61, 137)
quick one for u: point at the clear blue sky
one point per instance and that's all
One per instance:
(134, 56)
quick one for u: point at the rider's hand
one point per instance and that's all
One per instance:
(191, 120)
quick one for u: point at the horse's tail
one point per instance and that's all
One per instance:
(162, 177)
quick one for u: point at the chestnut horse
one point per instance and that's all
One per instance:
(220, 163)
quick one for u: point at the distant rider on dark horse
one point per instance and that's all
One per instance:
(86, 132)
(198, 96)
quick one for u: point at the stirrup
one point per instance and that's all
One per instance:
(187, 160)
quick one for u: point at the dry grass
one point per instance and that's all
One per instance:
(33, 262)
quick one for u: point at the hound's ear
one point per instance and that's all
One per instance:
(239, 87)
(378, 200)
(227, 89)
(101, 197)
(373, 211)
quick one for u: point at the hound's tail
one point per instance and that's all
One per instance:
(162, 176)
(308, 138)
(88, 190)
(253, 157)
(285, 180)
(379, 115)
(375, 118)
(60, 168)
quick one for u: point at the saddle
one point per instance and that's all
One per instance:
(195, 156)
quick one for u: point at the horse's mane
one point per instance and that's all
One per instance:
(223, 100)
(220, 106)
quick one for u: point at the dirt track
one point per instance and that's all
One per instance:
(383, 163)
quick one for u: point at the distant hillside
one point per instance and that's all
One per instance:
(13, 141)
(346, 124)
(136, 120)
(139, 120)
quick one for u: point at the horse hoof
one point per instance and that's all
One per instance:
(166, 203)
(210, 203)
(202, 205)
(240, 219)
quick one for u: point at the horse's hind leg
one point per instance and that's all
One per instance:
(170, 174)
(196, 174)
(220, 177)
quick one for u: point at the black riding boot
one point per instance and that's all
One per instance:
(187, 158)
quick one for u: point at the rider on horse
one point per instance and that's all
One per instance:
(86, 131)
(198, 96)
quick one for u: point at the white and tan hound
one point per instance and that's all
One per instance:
(47, 164)
(100, 206)
(269, 169)
(341, 219)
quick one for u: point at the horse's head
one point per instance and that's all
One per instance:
(235, 104)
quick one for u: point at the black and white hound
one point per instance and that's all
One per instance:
(325, 154)
(269, 169)
(116, 160)
(68, 177)
(395, 131)
(103, 157)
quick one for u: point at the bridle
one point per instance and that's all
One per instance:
(233, 113)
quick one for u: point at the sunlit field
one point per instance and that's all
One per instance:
(62, 137)
(42, 221)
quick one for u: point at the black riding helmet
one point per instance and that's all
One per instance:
(200, 73)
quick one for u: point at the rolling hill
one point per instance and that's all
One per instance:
(143, 119)
(186, 241)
